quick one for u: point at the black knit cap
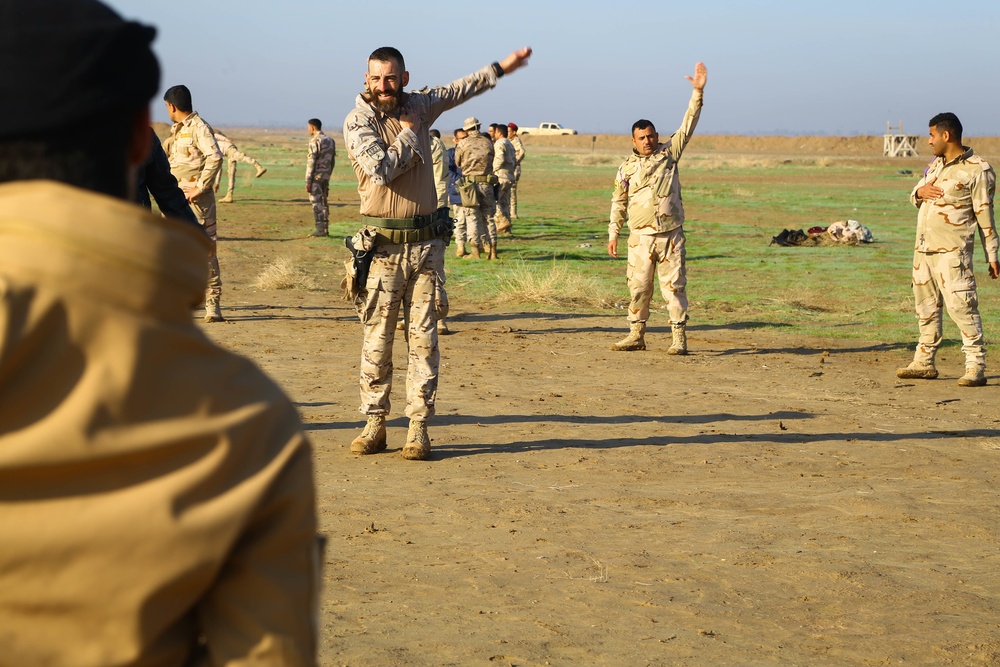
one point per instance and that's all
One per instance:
(63, 61)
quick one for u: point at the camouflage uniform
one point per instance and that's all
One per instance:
(439, 157)
(942, 258)
(195, 160)
(648, 193)
(396, 181)
(519, 156)
(233, 155)
(474, 156)
(504, 164)
(319, 168)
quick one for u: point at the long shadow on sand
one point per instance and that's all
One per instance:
(454, 451)
(498, 420)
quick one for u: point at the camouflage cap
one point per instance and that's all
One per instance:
(471, 123)
(63, 61)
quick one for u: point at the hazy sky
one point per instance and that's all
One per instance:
(779, 67)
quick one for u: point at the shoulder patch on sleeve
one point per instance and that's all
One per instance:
(375, 152)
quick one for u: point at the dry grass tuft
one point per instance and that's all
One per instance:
(738, 162)
(599, 159)
(554, 285)
(743, 193)
(283, 274)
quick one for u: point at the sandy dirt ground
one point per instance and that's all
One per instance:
(767, 500)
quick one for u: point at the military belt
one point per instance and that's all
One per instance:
(410, 230)
(485, 178)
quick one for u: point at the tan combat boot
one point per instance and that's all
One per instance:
(488, 250)
(228, 199)
(442, 328)
(261, 169)
(418, 443)
(212, 311)
(918, 370)
(680, 342)
(493, 252)
(474, 250)
(635, 340)
(975, 376)
(504, 227)
(372, 438)
(459, 248)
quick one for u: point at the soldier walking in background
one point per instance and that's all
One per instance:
(519, 156)
(389, 147)
(504, 164)
(954, 199)
(474, 156)
(647, 194)
(319, 168)
(233, 155)
(195, 160)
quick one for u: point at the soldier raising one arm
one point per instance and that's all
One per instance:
(390, 149)
(647, 194)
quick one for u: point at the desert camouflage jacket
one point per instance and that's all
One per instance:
(392, 163)
(950, 222)
(225, 143)
(439, 158)
(518, 148)
(648, 189)
(504, 159)
(321, 158)
(474, 155)
(193, 152)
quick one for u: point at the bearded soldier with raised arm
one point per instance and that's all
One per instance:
(390, 149)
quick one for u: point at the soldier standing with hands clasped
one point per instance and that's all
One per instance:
(648, 194)
(319, 168)
(955, 199)
(390, 149)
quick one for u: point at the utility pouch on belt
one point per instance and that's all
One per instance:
(362, 247)
(468, 192)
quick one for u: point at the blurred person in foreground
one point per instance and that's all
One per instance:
(647, 194)
(954, 201)
(157, 502)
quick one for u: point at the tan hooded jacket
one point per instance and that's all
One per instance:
(156, 492)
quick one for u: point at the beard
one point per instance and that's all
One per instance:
(386, 106)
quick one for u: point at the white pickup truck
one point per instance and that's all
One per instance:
(546, 128)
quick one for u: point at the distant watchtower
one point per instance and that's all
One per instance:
(899, 145)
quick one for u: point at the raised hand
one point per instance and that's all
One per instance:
(700, 76)
(515, 60)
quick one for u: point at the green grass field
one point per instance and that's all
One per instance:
(558, 259)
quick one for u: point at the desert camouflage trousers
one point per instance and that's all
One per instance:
(502, 211)
(946, 278)
(664, 252)
(464, 229)
(479, 222)
(405, 279)
(203, 207)
(513, 192)
(234, 155)
(319, 195)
